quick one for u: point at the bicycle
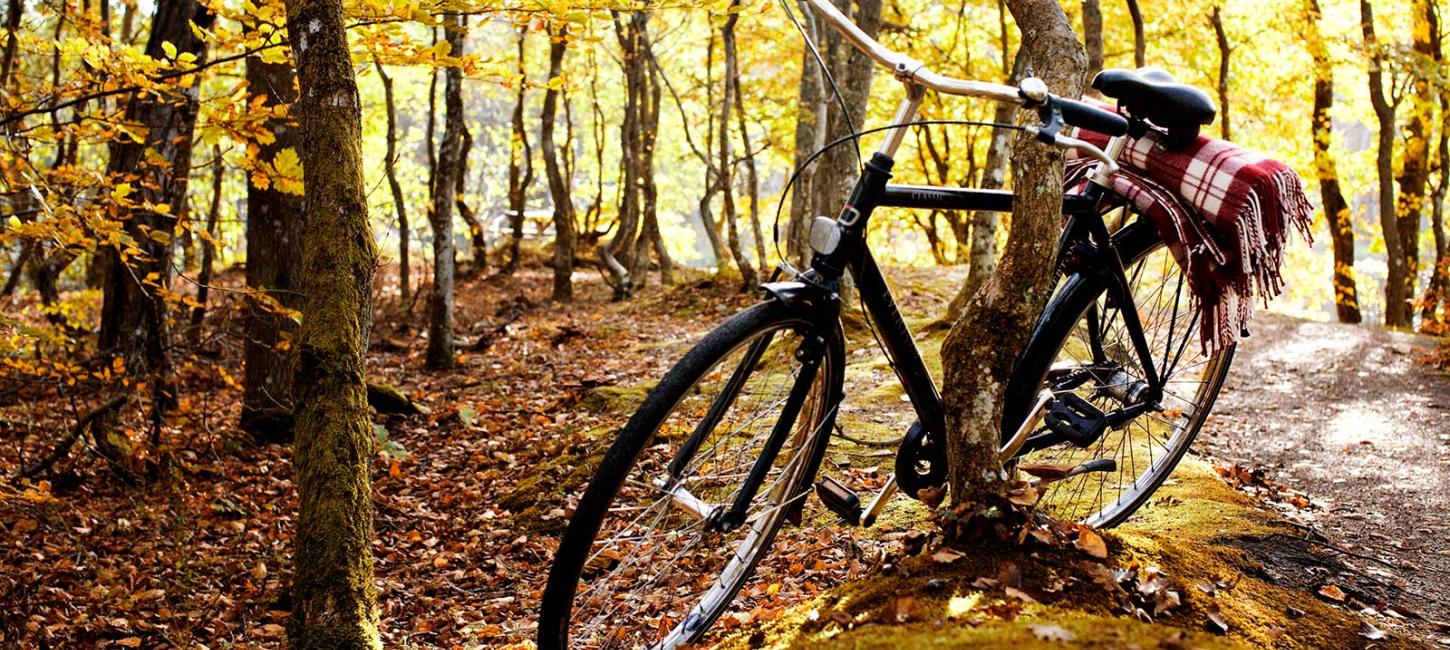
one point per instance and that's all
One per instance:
(726, 448)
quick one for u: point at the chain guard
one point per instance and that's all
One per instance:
(921, 462)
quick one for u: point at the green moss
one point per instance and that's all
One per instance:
(619, 400)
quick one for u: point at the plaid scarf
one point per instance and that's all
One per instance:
(1224, 212)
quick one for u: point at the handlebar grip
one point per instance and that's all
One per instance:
(1092, 118)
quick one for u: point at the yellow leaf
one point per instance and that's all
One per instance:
(169, 48)
(121, 190)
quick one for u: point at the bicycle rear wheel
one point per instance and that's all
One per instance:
(1084, 329)
(641, 564)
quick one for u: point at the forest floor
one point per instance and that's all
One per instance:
(470, 496)
(1343, 415)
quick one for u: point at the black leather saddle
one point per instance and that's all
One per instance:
(1154, 95)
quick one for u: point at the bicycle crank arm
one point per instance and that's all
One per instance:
(1014, 444)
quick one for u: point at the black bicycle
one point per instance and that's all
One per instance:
(726, 448)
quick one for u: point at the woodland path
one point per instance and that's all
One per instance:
(1342, 414)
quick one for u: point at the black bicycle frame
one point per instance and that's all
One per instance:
(1086, 239)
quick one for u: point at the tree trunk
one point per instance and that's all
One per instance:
(12, 29)
(839, 167)
(445, 187)
(558, 185)
(1437, 291)
(274, 267)
(1397, 302)
(984, 224)
(521, 164)
(616, 256)
(982, 347)
(208, 246)
(1224, 50)
(1415, 161)
(334, 601)
(476, 239)
(1092, 36)
(748, 279)
(810, 135)
(133, 311)
(752, 177)
(405, 288)
(1140, 42)
(1336, 210)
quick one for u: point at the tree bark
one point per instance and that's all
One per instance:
(1437, 291)
(1224, 50)
(1336, 209)
(982, 347)
(521, 164)
(334, 601)
(133, 310)
(810, 135)
(1397, 301)
(445, 187)
(476, 239)
(559, 190)
(1092, 36)
(405, 288)
(274, 268)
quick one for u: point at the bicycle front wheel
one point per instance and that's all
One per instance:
(643, 562)
(1082, 346)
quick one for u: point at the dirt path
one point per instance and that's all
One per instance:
(1344, 415)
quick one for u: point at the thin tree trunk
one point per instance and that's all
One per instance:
(521, 164)
(1397, 302)
(752, 177)
(1224, 50)
(334, 600)
(1140, 41)
(1092, 36)
(466, 212)
(12, 30)
(1437, 291)
(748, 278)
(810, 135)
(274, 268)
(983, 262)
(618, 255)
(208, 246)
(445, 184)
(559, 188)
(1336, 210)
(982, 347)
(400, 206)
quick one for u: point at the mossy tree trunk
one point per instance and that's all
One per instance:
(982, 347)
(445, 186)
(274, 261)
(1336, 209)
(334, 600)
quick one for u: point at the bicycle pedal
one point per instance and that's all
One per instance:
(840, 500)
(1075, 419)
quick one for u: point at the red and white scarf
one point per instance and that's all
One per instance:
(1225, 213)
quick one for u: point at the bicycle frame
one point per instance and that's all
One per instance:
(840, 247)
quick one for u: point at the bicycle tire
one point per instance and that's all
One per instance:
(594, 505)
(1069, 305)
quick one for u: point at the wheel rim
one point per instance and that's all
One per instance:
(656, 575)
(1148, 447)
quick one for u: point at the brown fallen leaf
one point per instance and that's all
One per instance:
(1091, 543)
(1217, 623)
(932, 496)
(1045, 471)
(946, 556)
(908, 609)
(1332, 592)
(1019, 594)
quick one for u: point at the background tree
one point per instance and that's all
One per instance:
(334, 601)
(521, 163)
(446, 178)
(1397, 301)
(1336, 210)
(400, 205)
(559, 185)
(274, 258)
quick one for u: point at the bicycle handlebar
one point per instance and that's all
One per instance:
(1031, 92)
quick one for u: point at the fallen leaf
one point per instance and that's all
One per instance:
(1369, 631)
(1332, 592)
(1045, 471)
(1019, 594)
(1217, 623)
(946, 556)
(1091, 543)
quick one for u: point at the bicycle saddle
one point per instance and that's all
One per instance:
(1154, 95)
